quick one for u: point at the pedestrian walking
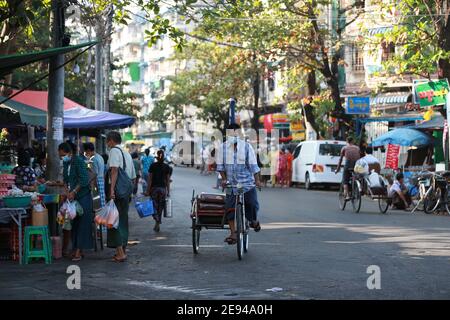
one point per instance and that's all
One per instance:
(282, 168)
(290, 159)
(76, 179)
(138, 169)
(119, 159)
(147, 161)
(98, 165)
(159, 186)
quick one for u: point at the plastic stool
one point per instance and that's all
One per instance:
(30, 251)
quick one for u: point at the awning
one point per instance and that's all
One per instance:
(436, 123)
(28, 114)
(10, 62)
(39, 99)
(83, 118)
(393, 118)
(395, 98)
(379, 30)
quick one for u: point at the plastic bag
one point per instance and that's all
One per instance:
(374, 180)
(71, 209)
(361, 167)
(108, 216)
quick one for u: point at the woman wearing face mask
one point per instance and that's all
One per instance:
(76, 179)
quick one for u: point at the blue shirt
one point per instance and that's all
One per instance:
(146, 163)
(98, 165)
(239, 165)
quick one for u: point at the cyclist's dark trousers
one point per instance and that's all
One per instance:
(347, 175)
(250, 202)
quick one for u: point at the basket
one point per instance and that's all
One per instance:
(17, 202)
(144, 208)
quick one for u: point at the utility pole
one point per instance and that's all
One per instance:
(55, 116)
(107, 54)
(98, 66)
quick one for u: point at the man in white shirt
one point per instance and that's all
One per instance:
(399, 193)
(118, 238)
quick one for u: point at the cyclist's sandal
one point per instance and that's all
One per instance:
(231, 239)
(256, 226)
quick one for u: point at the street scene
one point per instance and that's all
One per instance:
(210, 150)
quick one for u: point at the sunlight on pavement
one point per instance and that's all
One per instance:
(413, 241)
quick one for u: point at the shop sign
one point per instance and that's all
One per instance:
(432, 93)
(358, 105)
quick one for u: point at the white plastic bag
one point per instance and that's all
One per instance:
(374, 180)
(71, 210)
(361, 167)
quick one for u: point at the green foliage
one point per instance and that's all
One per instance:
(124, 102)
(420, 34)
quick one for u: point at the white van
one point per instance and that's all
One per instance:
(315, 162)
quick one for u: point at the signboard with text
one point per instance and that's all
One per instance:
(358, 105)
(392, 156)
(432, 93)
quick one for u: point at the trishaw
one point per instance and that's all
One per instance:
(360, 186)
(208, 212)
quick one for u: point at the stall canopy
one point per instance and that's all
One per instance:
(39, 99)
(403, 137)
(83, 118)
(435, 123)
(10, 62)
(26, 113)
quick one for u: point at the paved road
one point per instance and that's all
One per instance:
(307, 247)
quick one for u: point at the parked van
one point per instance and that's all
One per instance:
(315, 162)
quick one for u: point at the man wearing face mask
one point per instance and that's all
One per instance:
(237, 164)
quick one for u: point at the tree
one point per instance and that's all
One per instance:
(218, 74)
(293, 29)
(421, 32)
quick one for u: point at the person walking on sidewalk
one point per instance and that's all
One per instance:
(159, 186)
(147, 161)
(98, 165)
(119, 159)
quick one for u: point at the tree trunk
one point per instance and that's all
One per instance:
(311, 83)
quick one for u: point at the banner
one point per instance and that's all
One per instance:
(392, 156)
(358, 105)
(432, 93)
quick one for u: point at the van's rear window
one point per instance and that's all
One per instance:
(327, 149)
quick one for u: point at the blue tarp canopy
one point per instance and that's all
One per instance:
(83, 118)
(435, 123)
(403, 137)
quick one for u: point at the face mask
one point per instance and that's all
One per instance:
(233, 139)
(67, 158)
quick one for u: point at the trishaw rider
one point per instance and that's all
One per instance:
(237, 164)
(351, 153)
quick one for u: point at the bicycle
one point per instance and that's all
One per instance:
(437, 194)
(208, 211)
(355, 194)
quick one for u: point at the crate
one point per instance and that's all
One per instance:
(9, 240)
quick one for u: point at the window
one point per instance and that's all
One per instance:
(357, 58)
(388, 51)
(328, 149)
(297, 151)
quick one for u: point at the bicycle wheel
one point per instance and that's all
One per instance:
(356, 197)
(342, 201)
(383, 204)
(240, 231)
(195, 238)
(431, 201)
(246, 232)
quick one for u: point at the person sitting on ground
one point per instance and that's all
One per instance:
(399, 193)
